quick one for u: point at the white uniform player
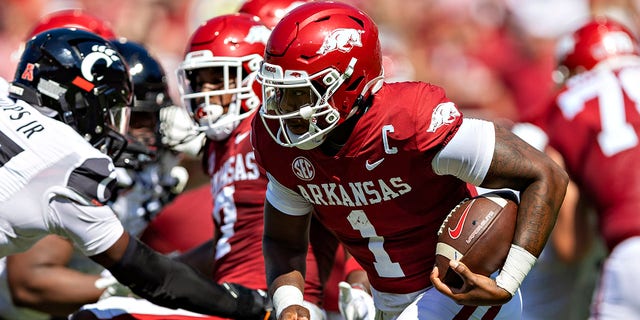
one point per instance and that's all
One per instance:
(72, 91)
(44, 181)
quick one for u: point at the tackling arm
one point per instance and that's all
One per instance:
(175, 285)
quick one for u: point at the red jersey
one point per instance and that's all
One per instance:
(595, 124)
(238, 187)
(379, 193)
(183, 224)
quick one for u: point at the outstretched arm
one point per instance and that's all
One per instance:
(172, 284)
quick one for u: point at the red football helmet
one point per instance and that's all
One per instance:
(598, 40)
(270, 11)
(74, 18)
(230, 46)
(329, 54)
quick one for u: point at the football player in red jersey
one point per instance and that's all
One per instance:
(357, 303)
(218, 88)
(381, 164)
(594, 124)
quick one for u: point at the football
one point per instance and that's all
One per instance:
(477, 232)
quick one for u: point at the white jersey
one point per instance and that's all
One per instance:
(53, 182)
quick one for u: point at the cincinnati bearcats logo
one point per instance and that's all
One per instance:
(342, 40)
(303, 168)
(104, 53)
(457, 231)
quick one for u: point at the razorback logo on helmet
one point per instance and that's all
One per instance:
(443, 114)
(342, 40)
(258, 34)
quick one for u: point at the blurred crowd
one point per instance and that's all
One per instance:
(495, 58)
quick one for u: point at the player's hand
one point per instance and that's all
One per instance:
(252, 304)
(354, 303)
(477, 290)
(112, 286)
(179, 131)
(295, 312)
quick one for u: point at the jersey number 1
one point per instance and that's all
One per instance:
(383, 264)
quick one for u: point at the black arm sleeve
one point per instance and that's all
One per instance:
(174, 285)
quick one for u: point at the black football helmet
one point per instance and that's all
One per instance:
(79, 78)
(151, 93)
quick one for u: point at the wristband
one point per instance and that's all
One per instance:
(285, 296)
(518, 264)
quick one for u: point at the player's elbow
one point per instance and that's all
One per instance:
(25, 296)
(557, 181)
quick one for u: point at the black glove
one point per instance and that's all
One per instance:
(252, 304)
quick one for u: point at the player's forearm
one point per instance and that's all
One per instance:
(542, 184)
(537, 212)
(200, 258)
(175, 285)
(55, 290)
(284, 265)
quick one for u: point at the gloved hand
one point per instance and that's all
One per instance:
(354, 303)
(252, 304)
(179, 131)
(112, 286)
(180, 176)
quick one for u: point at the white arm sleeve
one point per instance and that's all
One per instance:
(469, 153)
(285, 199)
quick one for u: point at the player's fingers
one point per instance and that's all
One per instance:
(466, 275)
(434, 273)
(439, 285)
(461, 269)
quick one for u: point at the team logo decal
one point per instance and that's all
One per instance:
(455, 233)
(27, 74)
(443, 114)
(342, 40)
(104, 53)
(303, 168)
(258, 34)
